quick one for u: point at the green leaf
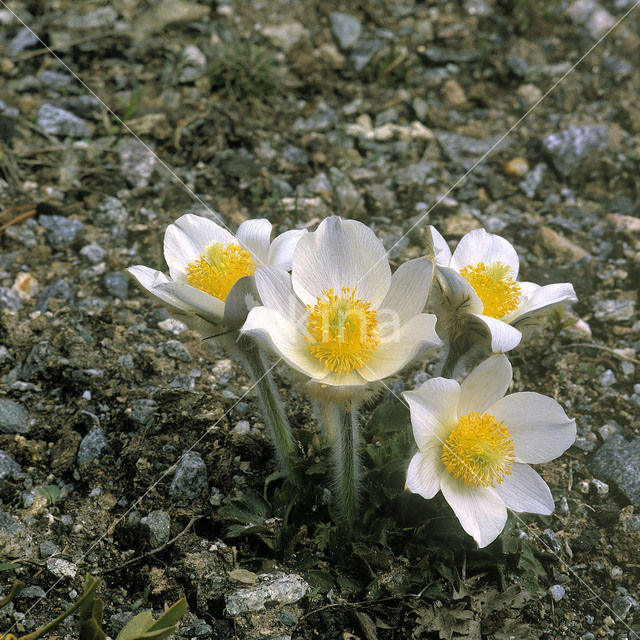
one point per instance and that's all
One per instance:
(51, 492)
(90, 630)
(171, 616)
(8, 566)
(136, 626)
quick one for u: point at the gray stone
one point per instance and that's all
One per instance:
(274, 589)
(9, 526)
(348, 199)
(32, 592)
(448, 54)
(618, 462)
(285, 34)
(413, 174)
(190, 479)
(61, 231)
(346, 29)
(9, 468)
(60, 122)
(100, 18)
(323, 119)
(47, 549)
(236, 163)
(136, 161)
(548, 536)
(159, 523)
(23, 39)
(93, 445)
(59, 289)
(557, 592)
(295, 155)
(176, 350)
(463, 149)
(532, 181)
(13, 417)
(614, 310)
(608, 378)
(143, 410)
(9, 299)
(110, 212)
(62, 568)
(622, 604)
(56, 80)
(569, 148)
(93, 252)
(363, 53)
(117, 284)
(82, 106)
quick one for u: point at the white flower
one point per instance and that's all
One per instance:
(341, 318)
(474, 445)
(479, 281)
(210, 271)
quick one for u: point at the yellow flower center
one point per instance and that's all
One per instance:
(343, 330)
(479, 450)
(219, 268)
(499, 292)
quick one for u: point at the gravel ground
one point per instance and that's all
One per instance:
(391, 113)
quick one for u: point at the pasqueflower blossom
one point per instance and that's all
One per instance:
(210, 271)
(340, 317)
(475, 446)
(477, 287)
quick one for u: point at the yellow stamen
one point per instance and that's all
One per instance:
(479, 450)
(499, 292)
(343, 330)
(219, 268)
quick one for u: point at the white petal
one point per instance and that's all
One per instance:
(423, 474)
(439, 248)
(410, 286)
(504, 337)
(276, 292)
(486, 384)
(282, 248)
(186, 238)
(541, 299)
(480, 246)
(341, 253)
(242, 297)
(254, 236)
(350, 379)
(189, 298)
(524, 490)
(281, 336)
(147, 277)
(400, 347)
(434, 411)
(453, 294)
(480, 510)
(539, 427)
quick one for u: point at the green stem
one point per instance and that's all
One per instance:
(343, 421)
(254, 361)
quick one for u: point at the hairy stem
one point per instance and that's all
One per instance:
(255, 363)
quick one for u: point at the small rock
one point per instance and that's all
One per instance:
(193, 65)
(166, 12)
(59, 122)
(590, 14)
(453, 94)
(570, 147)
(242, 428)
(62, 568)
(190, 479)
(413, 174)
(59, 289)
(136, 161)
(62, 231)
(25, 285)
(236, 163)
(9, 468)
(548, 536)
(285, 34)
(364, 51)
(345, 28)
(618, 461)
(614, 310)
(533, 179)
(9, 299)
(274, 589)
(9, 526)
(92, 446)
(110, 213)
(143, 410)
(47, 549)
(607, 430)
(323, 119)
(13, 417)
(586, 540)
(171, 325)
(32, 592)
(557, 592)
(602, 488)
(608, 378)
(462, 150)
(176, 350)
(348, 199)
(93, 252)
(159, 523)
(516, 167)
(23, 39)
(622, 604)
(117, 284)
(560, 246)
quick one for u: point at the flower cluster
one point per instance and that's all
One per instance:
(327, 304)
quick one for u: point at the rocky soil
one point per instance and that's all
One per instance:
(132, 449)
